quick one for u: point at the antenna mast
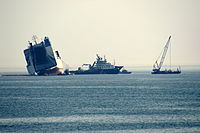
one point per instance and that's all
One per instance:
(34, 38)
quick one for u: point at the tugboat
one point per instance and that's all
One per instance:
(42, 59)
(100, 66)
(157, 66)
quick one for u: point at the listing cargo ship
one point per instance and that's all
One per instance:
(42, 59)
(157, 66)
(100, 66)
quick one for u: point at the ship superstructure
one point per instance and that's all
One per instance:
(42, 59)
(100, 66)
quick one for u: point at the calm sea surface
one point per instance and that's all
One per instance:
(138, 102)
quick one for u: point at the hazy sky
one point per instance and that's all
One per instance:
(133, 32)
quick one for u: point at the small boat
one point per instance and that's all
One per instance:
(124, 71)
(157, 66)
(100, 66)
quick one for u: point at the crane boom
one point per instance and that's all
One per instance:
(157, 66)
(159, 62)
(164, 53)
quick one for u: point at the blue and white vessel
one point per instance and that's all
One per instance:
(100, 66)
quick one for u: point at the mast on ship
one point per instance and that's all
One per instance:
(34, 38)
(157, 66)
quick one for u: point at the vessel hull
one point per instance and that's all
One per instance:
(166, 72)
(52, 72)
(97, 71)
(125, 72)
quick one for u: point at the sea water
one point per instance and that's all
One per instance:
(138, 102)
